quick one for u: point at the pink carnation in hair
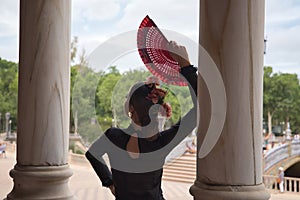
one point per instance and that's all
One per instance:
(166, 110)
(157, 95)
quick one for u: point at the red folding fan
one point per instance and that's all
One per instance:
(153, 49)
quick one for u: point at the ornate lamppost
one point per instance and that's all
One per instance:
(7, 116)
(0, 122)
(265, 46)
(9, 128)
(76, 123)
(288, 131)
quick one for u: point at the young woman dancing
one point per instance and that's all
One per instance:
(137, 154)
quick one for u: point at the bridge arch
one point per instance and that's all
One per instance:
(286, 155)
(293, 171)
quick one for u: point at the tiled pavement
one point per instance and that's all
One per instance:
(86, 185)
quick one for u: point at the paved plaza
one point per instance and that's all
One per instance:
(87, 186)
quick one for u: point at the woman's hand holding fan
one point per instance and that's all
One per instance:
(179, 54)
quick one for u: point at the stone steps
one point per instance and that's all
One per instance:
(182, 169)
(187, 177)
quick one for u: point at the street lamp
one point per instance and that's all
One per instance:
(0, 122)
(288, 131)
(265, 46)
(76, 123)
(7, 116)
(9, 129)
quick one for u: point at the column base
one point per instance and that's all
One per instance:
(39, 183)
(202, 191)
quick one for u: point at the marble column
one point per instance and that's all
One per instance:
(232, 32)
(42, 170)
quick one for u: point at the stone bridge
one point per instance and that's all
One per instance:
(286, 155)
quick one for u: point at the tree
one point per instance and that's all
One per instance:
(9, 90)
(104, 96)
(180, 100)
(74, 45)
(269, 101)
(281, 97)
(83, 99)
(287, 87)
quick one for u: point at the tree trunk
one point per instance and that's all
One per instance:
(287, 120)
(270, 122)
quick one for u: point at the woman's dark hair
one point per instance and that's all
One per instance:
(137, 98)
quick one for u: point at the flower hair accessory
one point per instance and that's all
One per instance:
(157, 96)
(166, 110)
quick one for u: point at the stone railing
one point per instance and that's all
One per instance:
(280, 153)
(290, 184)
(295, 148)
(275, 155)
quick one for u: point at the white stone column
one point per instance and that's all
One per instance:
(42, 170)
(232, 32)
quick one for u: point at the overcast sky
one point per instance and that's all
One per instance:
(95, 21)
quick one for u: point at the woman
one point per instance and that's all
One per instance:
(137, 154)
(281, 179)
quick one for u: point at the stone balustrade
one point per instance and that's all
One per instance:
(281, 155)
(290, 184)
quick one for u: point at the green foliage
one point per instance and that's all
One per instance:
(269, 101)
(74, 45)
(281, 97)
(99, 97)
(89, 131)
(84, 86)
(180, 100)
(104, 93)
(9, 90)
(120, 91)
